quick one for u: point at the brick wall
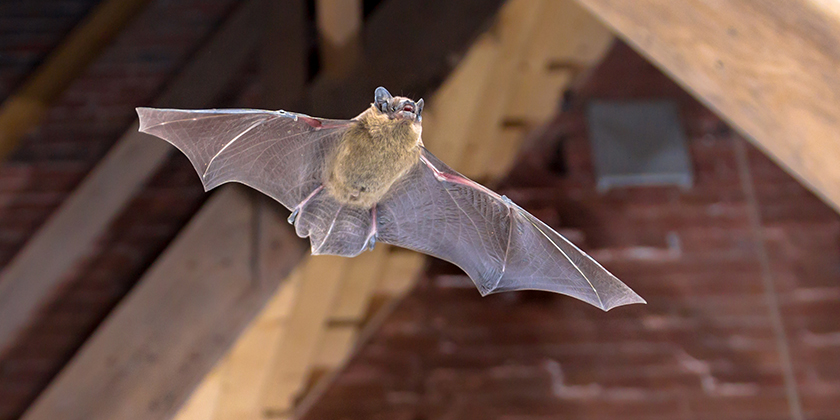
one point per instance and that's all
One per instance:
(705, 347)
(31, 29)
(87, 119)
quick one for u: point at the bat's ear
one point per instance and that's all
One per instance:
(382, 98)
(420, 106)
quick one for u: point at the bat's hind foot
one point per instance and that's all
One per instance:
(293, 216)
(296, 212)
(371, 239)
(371, 242)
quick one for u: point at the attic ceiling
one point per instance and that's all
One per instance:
(741, 270)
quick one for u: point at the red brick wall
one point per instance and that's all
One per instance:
(88, 118)
(29, 30)
(704, 347)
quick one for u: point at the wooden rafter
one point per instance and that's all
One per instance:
(25, 108)
(510, 83)
(769, 68)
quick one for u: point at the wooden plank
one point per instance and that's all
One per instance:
(336, 343)
(514, 28)
(360, 281)
(352, 304)
(292, 362)
(339, 25)
(400, 272)
(33, 275)
(397, 277)
(203, 402)
(244, 370)
(25, 108)
(176, 323)
(567, 41)
(769, 68)
(458, 100)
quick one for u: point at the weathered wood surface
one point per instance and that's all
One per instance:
(770, 68)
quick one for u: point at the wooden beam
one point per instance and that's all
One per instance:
(306, 333)
(339, 33)
(514, 29)
(245, 370)
(510, 83)
(567, 43)
(25, 108)
(37, 271)
(769, 68)
(293, 360)
(180, 319)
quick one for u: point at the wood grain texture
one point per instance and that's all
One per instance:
(510, 82)
(68, 236)
(181, 318)
(769, 68)
(292, 362)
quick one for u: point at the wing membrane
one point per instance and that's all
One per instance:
(502, 247)
(279, 153)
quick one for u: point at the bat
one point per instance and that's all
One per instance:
(352, 183)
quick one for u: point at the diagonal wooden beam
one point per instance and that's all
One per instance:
(183, 315)
(769, 68)
(23, 110)
(33, 275)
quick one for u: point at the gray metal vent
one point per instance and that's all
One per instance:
(638, 143)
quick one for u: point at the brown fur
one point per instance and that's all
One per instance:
(374, 153)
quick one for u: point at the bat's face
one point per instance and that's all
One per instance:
(397, 107)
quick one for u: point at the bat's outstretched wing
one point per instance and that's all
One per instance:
(279, 153)
(502, 247)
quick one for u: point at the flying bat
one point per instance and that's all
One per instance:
(352, 183)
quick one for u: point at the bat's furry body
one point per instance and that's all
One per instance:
(352, 183)
(373, 154)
